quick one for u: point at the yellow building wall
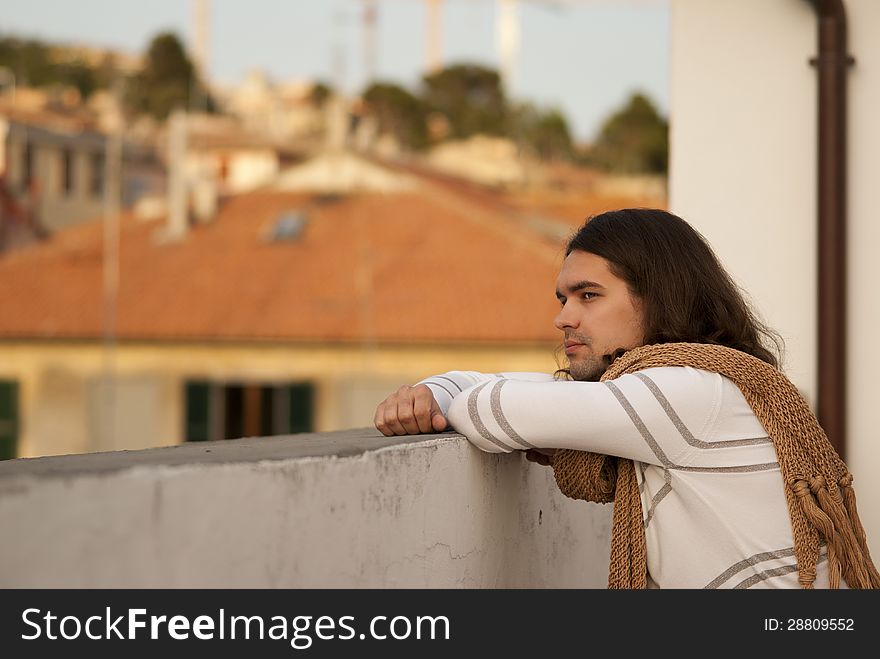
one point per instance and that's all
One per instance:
(65, 400)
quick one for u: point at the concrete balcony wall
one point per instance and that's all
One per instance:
(326, 510)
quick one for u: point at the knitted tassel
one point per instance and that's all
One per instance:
(833, 568)
(849, 500)
(800, 499)
(843, 539)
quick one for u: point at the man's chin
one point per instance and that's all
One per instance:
(587, 370)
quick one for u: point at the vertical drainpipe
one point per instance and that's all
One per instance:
(832, 63)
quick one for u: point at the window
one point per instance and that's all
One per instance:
(67, 172)
(233, 410)
(288, 226)
(96, 184)
(27, 165)
(198, 420)
(8, 419)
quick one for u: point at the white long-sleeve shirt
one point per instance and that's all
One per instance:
(712, 495)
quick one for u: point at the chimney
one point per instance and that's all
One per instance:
(337, 124)
(366, 133)
(205, 197)
(4, 133)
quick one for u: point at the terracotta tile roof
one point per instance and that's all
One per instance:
(432, 266)
(554, 214)
(572, 209)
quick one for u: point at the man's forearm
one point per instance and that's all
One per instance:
(447, 386)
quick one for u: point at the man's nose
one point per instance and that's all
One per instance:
(564, 318)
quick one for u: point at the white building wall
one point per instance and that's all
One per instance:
(743, 172)
(863, 266)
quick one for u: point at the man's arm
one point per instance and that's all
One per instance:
(447, 386)
(422, 408)
(646, 416)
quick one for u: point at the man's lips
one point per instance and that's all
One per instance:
(571, 346)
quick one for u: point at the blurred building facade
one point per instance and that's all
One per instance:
(280, 268)
(281, 111)
(53, 164)
(296, 308)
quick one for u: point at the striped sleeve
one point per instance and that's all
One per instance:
(621, 417)
(447, 386)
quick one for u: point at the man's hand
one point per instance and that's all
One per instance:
(409, 411)
(543, 456)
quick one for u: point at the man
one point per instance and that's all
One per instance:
(667, 366)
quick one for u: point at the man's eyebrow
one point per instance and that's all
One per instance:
(574, 288)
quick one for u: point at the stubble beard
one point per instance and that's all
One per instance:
(589, 369)
(592, 368)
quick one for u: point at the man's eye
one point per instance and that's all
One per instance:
(589, 295)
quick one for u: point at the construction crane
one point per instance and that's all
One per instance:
(507, 31)
(434, 50)
(435, 36)
(200, 51)
(507, 36)
(369, 16)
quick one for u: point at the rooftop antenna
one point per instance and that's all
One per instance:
(508, 35)
(198, 96)
(338, 52)
(113, 148)
(435, 27)
(370, 16)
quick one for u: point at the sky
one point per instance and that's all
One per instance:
(583, 57)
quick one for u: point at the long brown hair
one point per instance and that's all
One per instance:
(686, 294)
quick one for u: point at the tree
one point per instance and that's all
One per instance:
(28, 60)
(398, 112)
(167, 80)
(34, 63)
(470, 97)
(321, 91)
(80, 75)
(461, 101)
(543, 132)
(634, 139)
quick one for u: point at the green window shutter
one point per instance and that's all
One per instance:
(301, 406)
(198, 411)
(8, 419)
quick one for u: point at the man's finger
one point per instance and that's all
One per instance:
(379, 420)
(406, 416)
(422, 407)
(438, 422)
(392, 422)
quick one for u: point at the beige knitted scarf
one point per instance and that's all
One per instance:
(818, 485)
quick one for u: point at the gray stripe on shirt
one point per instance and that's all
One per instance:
(768, 574)
(495, 401)
(661, 494)
(685, 433)
(437, 384)
(746, 562)
(481, 428)
(454, 383)
(664, 460)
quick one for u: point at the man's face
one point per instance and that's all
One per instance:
(598, 314)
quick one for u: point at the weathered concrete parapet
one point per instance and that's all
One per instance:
(343, 509)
